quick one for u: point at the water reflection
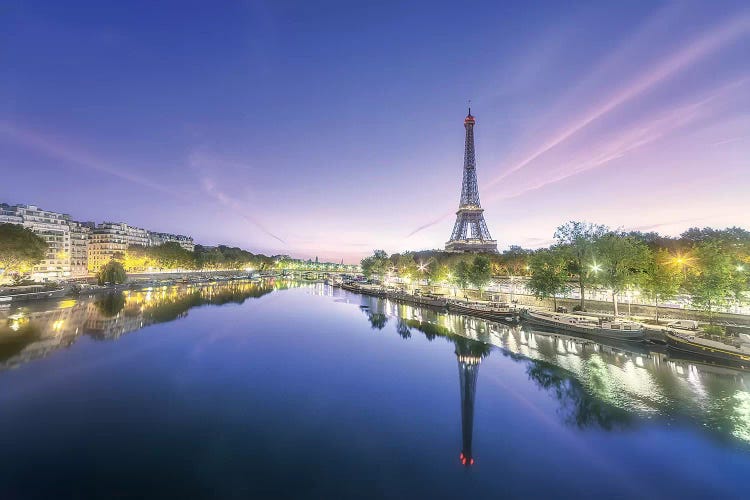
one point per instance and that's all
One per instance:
(595, 385)
(35, 330)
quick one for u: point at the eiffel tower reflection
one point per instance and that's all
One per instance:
(469, 354)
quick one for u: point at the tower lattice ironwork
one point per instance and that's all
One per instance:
(470, 233)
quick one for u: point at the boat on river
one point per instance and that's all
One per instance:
(616, 329)
(34, 295)
(493, 311)
(365, 289)
(419, 299)
(713, 348)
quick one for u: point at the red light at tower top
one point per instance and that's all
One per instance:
(469, 118)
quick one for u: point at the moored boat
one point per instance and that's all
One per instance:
(422, 300)
(485, 310)
(611, 329)
(36, 295)
(722, 351)
(373, 290)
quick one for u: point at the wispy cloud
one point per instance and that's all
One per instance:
(238, 208)
(206, 165)
(76, 156)
(71, 154)
(708, 43)
(631, 139)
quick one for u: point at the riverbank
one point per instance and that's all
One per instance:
(87, 287)
(654, 334)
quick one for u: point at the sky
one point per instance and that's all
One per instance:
(332, 128)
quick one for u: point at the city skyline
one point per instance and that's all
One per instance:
(254, 126)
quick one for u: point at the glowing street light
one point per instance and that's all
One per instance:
(596, 267)
(740, 268)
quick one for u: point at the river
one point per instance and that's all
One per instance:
(299, 390)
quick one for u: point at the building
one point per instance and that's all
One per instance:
(156, 239)
(470, 232)
(107, 241)
(136, 235)
(9, 215)
(75, 249)
(53, 228)
(110, 240)
(79, 248)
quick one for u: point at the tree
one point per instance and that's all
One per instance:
(623, 260)
(405, 265)
(112, 272)
(578, 240)
(138, 258)
(208, 258)
(439, 273)
(549, 275)
(171, 255)
(461, 274)
(480, 272)
(375, 265)
(712, 283)
(661, 279)
(20, 249)
(515, 260)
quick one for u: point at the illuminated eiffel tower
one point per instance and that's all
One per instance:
(470, 233)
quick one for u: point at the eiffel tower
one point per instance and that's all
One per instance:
(470, 233)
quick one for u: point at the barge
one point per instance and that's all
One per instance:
(627, 331)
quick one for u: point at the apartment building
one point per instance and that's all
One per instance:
(156, 239)
(53, 228)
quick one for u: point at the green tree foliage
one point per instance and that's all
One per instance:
(662, 278)
(713, 282)
(20, 249)
(171, 255)
(376, 265)
(623, 259)
(578, 239)
(112, 272)
(405, 265)
(480, 272)
(462, 274)
(549, 275)
(439, 273)
(514, 261)
(209, 257)
(138, 258)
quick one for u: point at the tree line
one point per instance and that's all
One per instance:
(171, 256)
(710, 265)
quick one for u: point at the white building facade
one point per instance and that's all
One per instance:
(54, 229)
(156, 239)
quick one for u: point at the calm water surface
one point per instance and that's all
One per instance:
(276, 389)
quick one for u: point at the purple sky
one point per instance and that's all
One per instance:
(332, 128)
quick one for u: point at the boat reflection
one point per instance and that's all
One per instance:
(596, 385)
